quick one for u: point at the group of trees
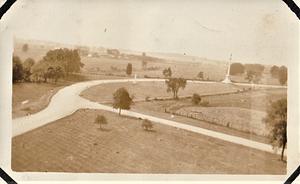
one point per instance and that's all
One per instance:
(122, 100)
(54, 65)
(237, 68)
(280, 73)
(254, 72)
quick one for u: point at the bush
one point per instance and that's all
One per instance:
(147, 125)
(205, 103)
(196, 99)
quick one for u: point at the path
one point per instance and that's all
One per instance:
(67, 100)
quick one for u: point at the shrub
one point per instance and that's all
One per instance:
(196, 99)
(147, 125)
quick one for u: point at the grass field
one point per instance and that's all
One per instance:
(124, 147)
(107, 65)
(241, 111)
(142, 90)
(242, 119)
(256, 99)
(38, 96)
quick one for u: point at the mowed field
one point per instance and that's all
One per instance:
(75, 144)
(142, 90)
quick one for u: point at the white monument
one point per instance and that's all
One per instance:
(134, 82)
(227, 79)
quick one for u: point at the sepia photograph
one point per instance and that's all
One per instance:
(151, 87)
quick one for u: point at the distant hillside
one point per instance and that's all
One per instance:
(39, 49)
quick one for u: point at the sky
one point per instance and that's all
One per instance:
(263, 31)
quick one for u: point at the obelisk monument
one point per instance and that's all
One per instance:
(227, 79)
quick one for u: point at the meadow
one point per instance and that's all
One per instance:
(124, 147)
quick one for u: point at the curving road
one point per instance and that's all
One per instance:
(67, 100)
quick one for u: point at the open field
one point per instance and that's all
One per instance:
(106, 65)
(124, 147)
(241, 111)
(153, 108)
(257, 99)
(142, 90)
(37, 95)
(244, 111)
(242, 119)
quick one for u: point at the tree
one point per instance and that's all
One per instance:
(174, 84)
(277, 121)
(147, 125)
(129, 69)
(18, 71)
(196, 99)
(68, 59)
(167, 72)
(58, 73)
(101, 120)
(282, 75)
(252, 76)
(27, 65)
(237, 68)
(200, 75)
(50, 73)
(25, 47)
(256, 68)
(274, 71)
(39, 71)
(122, 99)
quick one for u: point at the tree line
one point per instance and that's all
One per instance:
(254, 72)
(55, 65)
